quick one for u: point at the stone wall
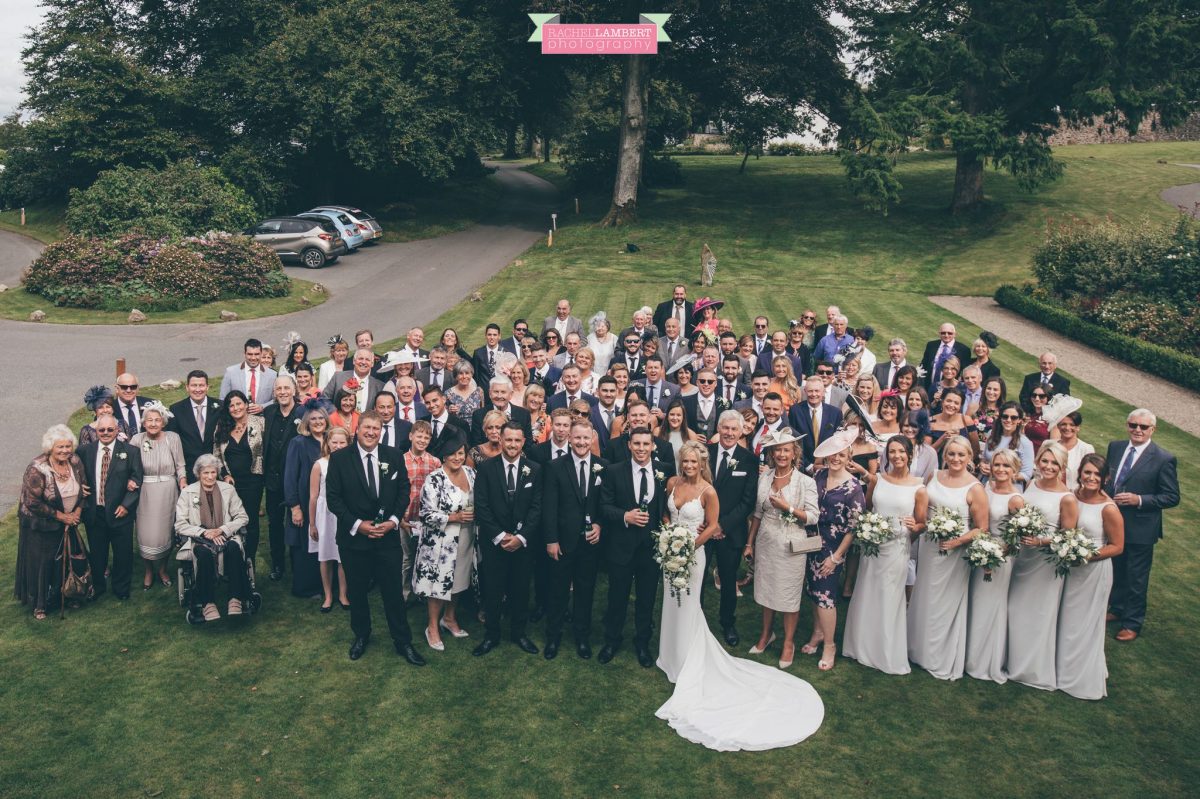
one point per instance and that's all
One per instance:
(1100, 132)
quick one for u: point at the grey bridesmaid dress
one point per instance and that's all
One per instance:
(1079, 656)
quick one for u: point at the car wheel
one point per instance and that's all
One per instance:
(312, 258)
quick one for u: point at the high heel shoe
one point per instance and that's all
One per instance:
(826, 663)
(438, 647)
(786, 663)
(459, 633)
(811, 648)
(326, 608)
(754, 650)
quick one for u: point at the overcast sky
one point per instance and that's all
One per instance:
(18, 16)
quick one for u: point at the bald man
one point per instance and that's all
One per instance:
(129, 404)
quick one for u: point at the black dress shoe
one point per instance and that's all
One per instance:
(731, 636)
(407, 652)
(606, 653)
(644, 659)
(536, 615)
(551, 651)
(525, 645)
(325, 609)
(276, 574)
(357, 648)
(583, 650)
(484, 647)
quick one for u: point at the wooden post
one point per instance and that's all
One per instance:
(120, 367)
(554, 221)
(22, 216)
(549, 238)
(576, 205)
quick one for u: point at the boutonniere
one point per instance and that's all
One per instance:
(146, 446)
(296, 422)
(741, 395)
(214, 404)
(659, 476)
(666, 392)
(597, 468)
(732, 464)
(121, 455)
(524, 471)
(384, 466)
(352, 385)
(195, 501)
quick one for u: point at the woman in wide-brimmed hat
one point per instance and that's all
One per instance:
(704, 316)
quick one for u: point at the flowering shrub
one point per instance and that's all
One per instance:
(159, 274)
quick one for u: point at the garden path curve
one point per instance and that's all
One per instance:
(1170, 402)
(1185, 197)
(390, 288)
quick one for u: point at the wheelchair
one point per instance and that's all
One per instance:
(187, 579)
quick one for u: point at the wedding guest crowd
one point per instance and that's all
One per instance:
(497, 483)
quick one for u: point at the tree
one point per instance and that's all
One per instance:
(993, 78)
(762, 118)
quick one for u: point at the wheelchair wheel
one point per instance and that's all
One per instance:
(255, 602)
(181, 588)
(194, 616)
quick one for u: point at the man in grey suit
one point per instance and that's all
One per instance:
(364, 360)
(562, 321)
(1142, 480)
(250, 377)
(885, 372)
(673, 345)
(834, 395)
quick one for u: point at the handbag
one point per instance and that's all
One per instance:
(804, 543)
(75, 584)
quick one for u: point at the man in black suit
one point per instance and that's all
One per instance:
(500, 390)
(604, 412)
(485, 357)
(735, 478)
(705, 406)
(543, 372)
(572, 378)
(632, 503)
(630, 354)
(367, 490)
(938, 352)
(1142, 480)
(508, 510)
(730, 386)
(1048, 378)
(129, 404)
(513, 343)
(113, 475)
(194, 419)
(822, 330)
(412, 345)
(637, 414)
(447, 427)
(571, 532)
(281, 422)
(393, 432)
(772, 420)
(678, 308)
(801, 417)
(556, 446)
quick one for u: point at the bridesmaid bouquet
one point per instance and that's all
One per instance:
(1025, 521)
(1069, 548)
(675, 551)
(871, 532)
(986, 552)
(944, 524)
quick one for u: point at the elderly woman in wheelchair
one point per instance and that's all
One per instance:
(209, 523)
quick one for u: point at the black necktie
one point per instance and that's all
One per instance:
(583, 478)
(724, 467)
(437, 378)
(384, 438)
(644, 489)
(512, 480)
(651, 389)
(729, 392)
(435, 428)
(558, 453)
(131, 419)
(491, 358)
(372, 486)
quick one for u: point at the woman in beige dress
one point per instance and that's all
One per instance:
(165, 476)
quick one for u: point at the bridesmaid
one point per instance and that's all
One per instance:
(165, 476)
(937, 615)
(1035, 592)
(840, 500)
(987, 612)
(1079, 656)
(876, 632)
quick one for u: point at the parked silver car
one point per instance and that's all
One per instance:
(369, 225)
(312, 242)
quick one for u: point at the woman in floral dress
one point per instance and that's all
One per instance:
(446, 551)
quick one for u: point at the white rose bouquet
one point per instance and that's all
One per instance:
(945, 524)
(1069, 548)
(986, 552)
(675, 551)
(1025, 521)
(871, 532)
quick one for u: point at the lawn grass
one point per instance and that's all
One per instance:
(17, 303)
(123, 700)
(46, 223)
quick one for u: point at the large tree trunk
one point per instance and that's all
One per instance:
(546, 147)
(510, 141)
(968, 183)
(633, 143)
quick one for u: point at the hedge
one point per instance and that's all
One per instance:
(1178, 367)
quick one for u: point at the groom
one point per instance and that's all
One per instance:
(632, 498)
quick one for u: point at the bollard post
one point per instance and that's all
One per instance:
(549, 238)
(120, 367)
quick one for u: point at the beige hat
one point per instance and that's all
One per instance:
(399, 358)
(778, 438)
(1060, 407)
(841, 440)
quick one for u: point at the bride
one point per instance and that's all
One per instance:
(722, 702)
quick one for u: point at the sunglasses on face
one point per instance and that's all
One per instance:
(824, 371)
(1039, 396)
(705, 381)
(521, 330)
(1010, 417)
(1138, 426)
(127, 388)
(760, 327)
(945, 333)
(629, 341)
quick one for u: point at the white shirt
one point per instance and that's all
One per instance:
(124, 408)
(808, 409)
(516, 465)
(441, 421)
(721, 453)
(112, 455)
(203, 408)
(893, 368)
(766, 428)
(637, 479)
(761, 344)
(561, 326)
(607, 414)
(659, 388)
(437, 377)
(360, 396)
(705, 406)
(246, 370)
(679, 311)
(388, 435)
(1132, 454)
(412, 412)
(557, 450)
(362, 458)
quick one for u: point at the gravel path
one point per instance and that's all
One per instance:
(389, 288)
(1185, 197)
(1174, 404)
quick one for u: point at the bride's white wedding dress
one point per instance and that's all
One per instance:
(723, 702)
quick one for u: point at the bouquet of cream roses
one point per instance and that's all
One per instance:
(944, 524)
(871, 532)
(987, 553)
(1024, 521)
(675, 551)
(1069, 548)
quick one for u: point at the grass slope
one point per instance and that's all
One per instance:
(125, 700)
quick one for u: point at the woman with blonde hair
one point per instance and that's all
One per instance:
(539, 420)
(783, 381)
(322, 524)
(518, 373)
(493, 423)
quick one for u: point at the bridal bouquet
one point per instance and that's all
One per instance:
(871, 532)
(1069, 548)
(944, 524)
(675, 552)
(1025, 521)
(986, 552)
